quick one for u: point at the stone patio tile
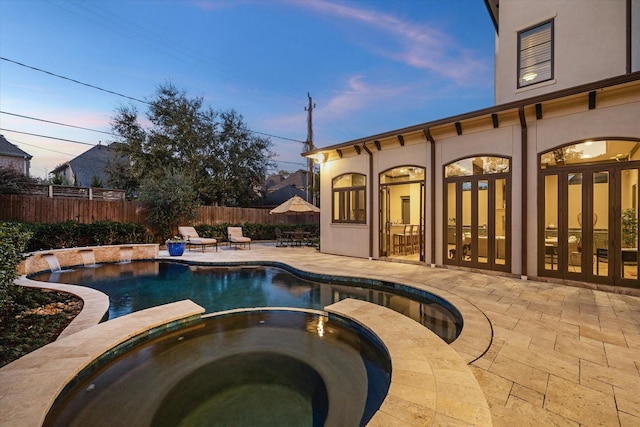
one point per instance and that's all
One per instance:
(411, 377)
(622, 357)
(440, 420)
(512, 337)
(528, 395)
(401, 413)
(416, 395)
(628, 420)
(580, 318)
(579, 403)
(597, 334)
(591, 374)
(550, 317)
(501, 320)
(496, 388)
(632, 337)
(542, 344)
(543, 361)
(463, 411)
(587, 350)
(628, 401)
(414, 365)
(520, 373)
(520, 413)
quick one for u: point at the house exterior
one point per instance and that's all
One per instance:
(544, 184)
(13, 157)
(89, 167)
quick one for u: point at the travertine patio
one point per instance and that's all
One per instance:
(543, 354)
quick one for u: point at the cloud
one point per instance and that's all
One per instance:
(415, 45)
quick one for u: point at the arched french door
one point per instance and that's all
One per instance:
(588, 212)
(402, 213)
(477, 213)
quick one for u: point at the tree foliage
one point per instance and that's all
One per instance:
(223, 159)
(13, 181)
(170, 200)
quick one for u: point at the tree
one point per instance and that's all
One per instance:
(14, 182)
(170, 199)
(215, 150)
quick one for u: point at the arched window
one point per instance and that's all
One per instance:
(349, 198)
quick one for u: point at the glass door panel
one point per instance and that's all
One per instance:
(467, 234)
(500, 221)
(573, 249)
(452, 231)
(385, 223)
(551, 222)
(600, 223)
(629, 224)
(483, 222)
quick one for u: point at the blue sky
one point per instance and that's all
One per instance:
(370, 66)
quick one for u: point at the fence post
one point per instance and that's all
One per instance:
(51, 191)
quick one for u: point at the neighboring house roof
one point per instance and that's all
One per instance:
(91, 163)
(8, 149)
(282, 195)
(279, 189)
(297, 179)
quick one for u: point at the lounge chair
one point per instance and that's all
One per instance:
(236, 238)
(193, 239)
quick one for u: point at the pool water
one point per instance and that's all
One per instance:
(253, 368)
(143, 284)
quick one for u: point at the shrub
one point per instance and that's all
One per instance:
(13, 240)
(253, 230)
(70, 234)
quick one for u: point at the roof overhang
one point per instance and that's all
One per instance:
(492, 8)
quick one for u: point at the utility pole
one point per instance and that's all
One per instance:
(308, 146)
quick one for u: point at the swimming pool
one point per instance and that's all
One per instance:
(142, 284)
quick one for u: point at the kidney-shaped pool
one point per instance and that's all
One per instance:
(143, 284)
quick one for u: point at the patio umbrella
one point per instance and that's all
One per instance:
(296, 204)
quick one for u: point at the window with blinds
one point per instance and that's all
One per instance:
(535, 55)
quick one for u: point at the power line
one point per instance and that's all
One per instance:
(41, 148)
(49, 137)
(57, 123)
(119, 94)
(74, 81)
(275, 136)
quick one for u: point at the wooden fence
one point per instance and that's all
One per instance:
(68, 191)
(42, 209)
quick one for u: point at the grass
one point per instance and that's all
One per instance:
(34, 318)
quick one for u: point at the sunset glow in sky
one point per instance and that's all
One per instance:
(370, 66)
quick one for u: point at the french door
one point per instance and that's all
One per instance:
(588, 220)
(477, 226)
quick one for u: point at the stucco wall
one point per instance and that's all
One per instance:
(343, 239)
(584, 32)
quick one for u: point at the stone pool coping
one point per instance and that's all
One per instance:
(430, 382)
